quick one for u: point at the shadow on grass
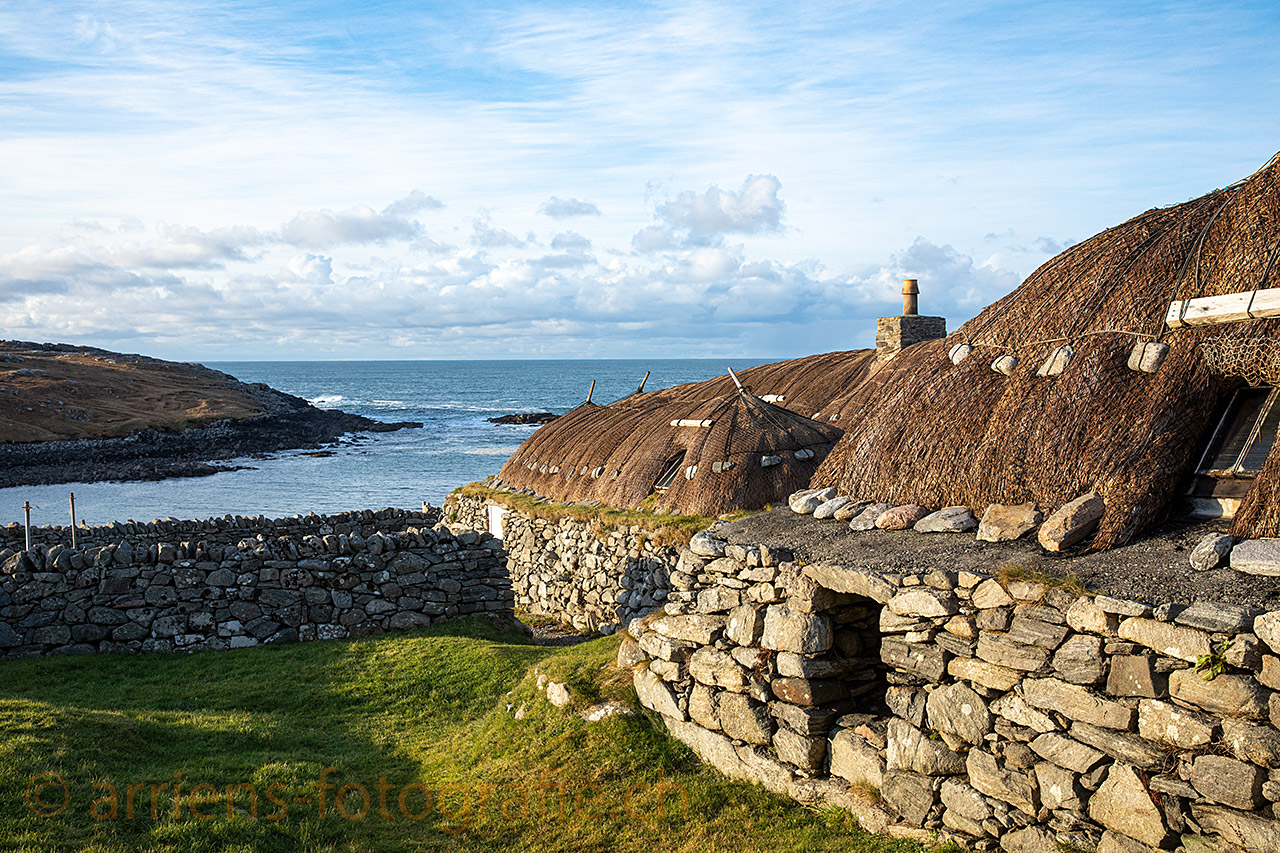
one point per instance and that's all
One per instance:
(121, 732)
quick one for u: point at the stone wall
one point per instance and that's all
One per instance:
(593, 576)
(1014, 716)
(233, 582)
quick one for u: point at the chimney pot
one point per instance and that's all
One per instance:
(910, 297)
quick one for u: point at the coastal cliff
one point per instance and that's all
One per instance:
(70, 413)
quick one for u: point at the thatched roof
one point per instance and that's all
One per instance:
(733, 450)
(930, 431)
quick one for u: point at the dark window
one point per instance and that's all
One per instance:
(669, 473)
(1244, 436)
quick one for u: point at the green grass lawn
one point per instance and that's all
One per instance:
(412, 730)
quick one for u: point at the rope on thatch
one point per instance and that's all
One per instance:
(923, 429)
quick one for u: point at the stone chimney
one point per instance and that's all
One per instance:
(894, 334)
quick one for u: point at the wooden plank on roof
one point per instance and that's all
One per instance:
(703, 424)
(1228, 308)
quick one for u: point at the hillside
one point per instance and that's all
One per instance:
(70, 413)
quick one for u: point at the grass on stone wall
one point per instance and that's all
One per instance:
(673, 530)
(414, 735)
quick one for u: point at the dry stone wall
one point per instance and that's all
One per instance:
(592, 576)
(1013, 716)
(233, 582)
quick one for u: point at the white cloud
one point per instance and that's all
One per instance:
(564, 208)
(362, 224)
(703, 219)
(485, 235)
(312, 269)
(567, 240)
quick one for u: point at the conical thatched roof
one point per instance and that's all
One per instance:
(930, 431)
(729, 451)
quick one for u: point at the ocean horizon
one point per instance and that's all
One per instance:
(457, 444)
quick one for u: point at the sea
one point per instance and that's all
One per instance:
(457, 445)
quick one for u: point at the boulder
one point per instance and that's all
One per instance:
(1072, 523)
(698, 628)
(1123, 804)
(744, 719)
(957, 710)
(1217, 617)
(804, 752)
(1228, 781)
(745, 625)
(1087, 617)
(1162, 722)
(1248, 832)
(1030, 839)
(828, 509)
(952, 519)
(925, 602)
(1147, 356)
(789, 631)
(805, 502)
(808, 692)
(1114, 842)
(988, 776)
(558, 693)
(850, 510)
(984, 674)
(1256, 744)
(1229, 695)
(901, 517)
(965, 800)
(705, 545)
(1174, 641)
(1136, 675)
(910, 795)
(1067, 753)
(989, 594)
(656, 695)
(1003, 523)
(1077, 703)
(1080, 661)
(1211, 551)
(630, 655)
(1057, 361)
(1257, 557)
(1267, 627)
(712, 667)
(866, 519)
(855, 760)
(1015, 709)
(867, 583)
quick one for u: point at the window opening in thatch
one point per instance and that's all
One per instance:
(669, 473)
(1244, 436)
(1236, 452)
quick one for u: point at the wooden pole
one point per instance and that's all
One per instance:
(73, 519)
(26, 510)
(735, 379)
(591, 390)
(640, 390)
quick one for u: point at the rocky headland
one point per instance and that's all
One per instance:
(81, 414)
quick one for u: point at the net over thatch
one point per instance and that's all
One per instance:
(930, 431)
(687, 448)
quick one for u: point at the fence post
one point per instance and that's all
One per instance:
(73, 519)
(26, 511)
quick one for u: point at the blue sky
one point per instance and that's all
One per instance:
(402, 180)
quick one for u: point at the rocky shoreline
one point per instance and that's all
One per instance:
(154, 455)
